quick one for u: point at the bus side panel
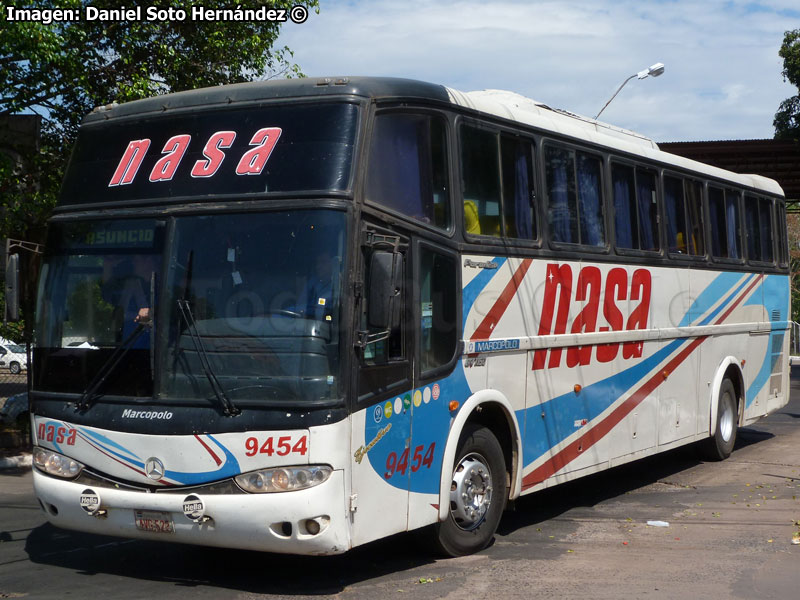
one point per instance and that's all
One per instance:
(377, 509)
(554, 412)
(767, 358)
(678, 397)
(397, 452)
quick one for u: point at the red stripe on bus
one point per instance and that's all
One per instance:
(594, 435)
(112, 457)
(485, 329)
(216, 458)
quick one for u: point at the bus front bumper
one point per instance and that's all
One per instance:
(311, 521)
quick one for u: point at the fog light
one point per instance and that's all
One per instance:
(312, 527)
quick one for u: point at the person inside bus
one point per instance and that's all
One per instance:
(127, 287)
(316, 300)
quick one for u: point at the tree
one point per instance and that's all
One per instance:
(793, 227)
(62, 70)
(787, 119)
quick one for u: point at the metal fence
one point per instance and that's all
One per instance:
(14, 426)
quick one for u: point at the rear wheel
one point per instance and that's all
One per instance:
(720, 445)
(477, 494)
(14, 368)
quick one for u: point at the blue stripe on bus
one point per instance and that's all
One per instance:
(551, 422)
(710, 295)
(473, 289)
(109, 443)
(229, 468)
(773, 295)
(106, 444)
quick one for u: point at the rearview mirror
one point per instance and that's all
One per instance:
(12, 288)
(385, 283)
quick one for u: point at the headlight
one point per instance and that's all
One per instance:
(283, 479)
(56, 464)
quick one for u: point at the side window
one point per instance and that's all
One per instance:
(752, 230)
(519, 210)
(780, 228)
(723, 212)
(684, 216)
(758, 228)
(480, 173)
(694, 216)
(635, 208)
(497, 176)
(408, 167)
(574, 197)
(675, 207)
(765, 222)
(438, 309)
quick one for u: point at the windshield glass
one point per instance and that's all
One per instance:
(255, 296)
(96, 280)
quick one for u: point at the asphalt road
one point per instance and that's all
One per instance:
(729, 536)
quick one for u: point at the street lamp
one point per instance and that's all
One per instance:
(653, 71)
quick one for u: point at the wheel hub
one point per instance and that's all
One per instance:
(726, 421)
(470, 492)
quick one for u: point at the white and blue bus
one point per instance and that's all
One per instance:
(299, 316)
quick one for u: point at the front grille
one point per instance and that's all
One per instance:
(89, 478)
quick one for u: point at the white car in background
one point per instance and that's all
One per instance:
(13, 357)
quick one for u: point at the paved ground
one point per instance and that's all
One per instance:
(729, 536)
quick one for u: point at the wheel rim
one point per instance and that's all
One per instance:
(726, 419)
(470, 492)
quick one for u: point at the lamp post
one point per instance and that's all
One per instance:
(652, 71)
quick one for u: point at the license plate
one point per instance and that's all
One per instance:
(154, 522)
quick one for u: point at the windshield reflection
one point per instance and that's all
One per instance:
(262, 291)
(98, 283)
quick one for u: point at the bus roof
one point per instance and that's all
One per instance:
(500, 103)
(515, 107)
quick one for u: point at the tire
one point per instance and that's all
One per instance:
(720, 445)
(14, 368)
(478, 494)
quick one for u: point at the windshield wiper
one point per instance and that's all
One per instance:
(228, 407)
(90, 393)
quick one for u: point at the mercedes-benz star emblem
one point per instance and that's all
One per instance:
(154, 468)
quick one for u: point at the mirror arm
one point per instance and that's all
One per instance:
(365, 338)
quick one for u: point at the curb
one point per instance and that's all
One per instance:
(23, 461)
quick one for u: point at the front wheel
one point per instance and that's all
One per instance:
(14, 368)
(477, 494)
(720, 445)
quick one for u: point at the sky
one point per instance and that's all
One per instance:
(722, 79)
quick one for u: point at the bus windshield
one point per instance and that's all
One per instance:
(252, 297)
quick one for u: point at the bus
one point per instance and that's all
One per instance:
(299, 316)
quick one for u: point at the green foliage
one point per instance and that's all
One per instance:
(13, 332)
(90, 316)
(62, 70)
(787, 119)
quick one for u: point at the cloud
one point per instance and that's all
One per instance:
(722, 78)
